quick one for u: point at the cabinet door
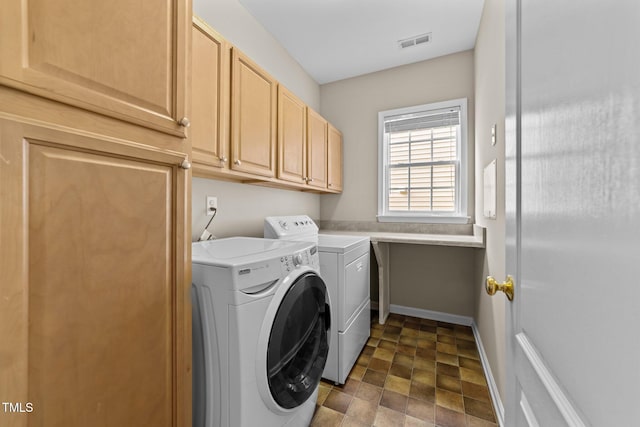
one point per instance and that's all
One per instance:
(316, 149)
(210, 100)
(119, 58)
(292, 128)
(335, 160)
(253, 117)
(94, 308)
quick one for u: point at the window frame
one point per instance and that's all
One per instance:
(462, 180)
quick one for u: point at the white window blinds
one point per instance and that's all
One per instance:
(423, 163)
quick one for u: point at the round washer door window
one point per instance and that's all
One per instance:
(298, 343)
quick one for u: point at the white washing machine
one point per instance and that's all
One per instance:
(344, 266)
(261, 316)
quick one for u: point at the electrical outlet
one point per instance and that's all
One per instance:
(212, 205)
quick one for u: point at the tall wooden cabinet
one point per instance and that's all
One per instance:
(120, 58)
(95, 221)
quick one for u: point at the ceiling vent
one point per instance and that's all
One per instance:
(414, 41)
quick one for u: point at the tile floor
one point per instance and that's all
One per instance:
(412, 372)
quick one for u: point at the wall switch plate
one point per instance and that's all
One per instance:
(212, 205)
(493, 135)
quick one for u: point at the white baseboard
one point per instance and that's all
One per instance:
(465, 321)
(456, 319)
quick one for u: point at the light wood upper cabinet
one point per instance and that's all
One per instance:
(317, 150)
(334, 160)
(210, 100)
(95, 311)
(253, 117)
(292, 137)
(120, 58)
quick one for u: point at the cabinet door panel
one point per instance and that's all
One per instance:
(210, 106)
(120, 58)
(292, 119)
(253, 119)
(335, 160)
(317, 149)
(97, 295)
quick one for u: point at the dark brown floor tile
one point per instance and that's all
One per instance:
(326, 417)
(447, 418)
(411, 324)
(465, 362)
(394, 330)
(403, 359)
(448, 383)
(426, 353)
(368, 350)
(423, 376)
(374, 378)
(467, 344)
(422, 392)
(379, 364)
(430, 322)
(349, 387)
(420, 409)
(401, 371)
(406, 349)
(447, 339)
(393, 400)
(337, 401)
(449, 359)
(363, 410)
(443, 368)
(429, 328)
(449, 400)
(479, 409)
(475, 391)
(376, 333)
(406, 332)
(443, 330)
(369, 392)
(389, 345)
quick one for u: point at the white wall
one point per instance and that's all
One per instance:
(242, 207)
(490, 109)
(238, 26)
(352, 105)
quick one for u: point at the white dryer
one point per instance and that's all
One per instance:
(344, 266)
(261, 316)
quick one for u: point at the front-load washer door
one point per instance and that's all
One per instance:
(298, 342)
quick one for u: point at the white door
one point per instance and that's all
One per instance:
(573, 212)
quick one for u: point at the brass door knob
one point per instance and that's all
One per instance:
(507, 287)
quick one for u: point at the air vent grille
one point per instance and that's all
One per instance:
(414, 41)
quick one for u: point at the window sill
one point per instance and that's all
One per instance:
(425, 219)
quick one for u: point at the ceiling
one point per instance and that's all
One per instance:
(337, 39)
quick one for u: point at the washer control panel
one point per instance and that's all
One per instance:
(300, 259)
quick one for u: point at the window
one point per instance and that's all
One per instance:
(422, 170)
